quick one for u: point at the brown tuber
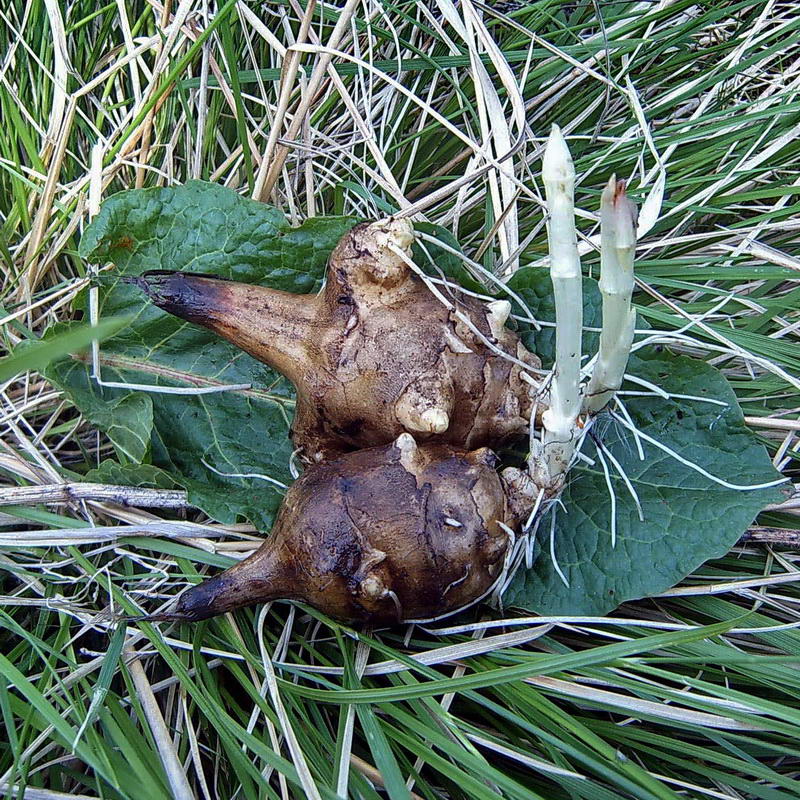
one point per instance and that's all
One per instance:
(387, 534)
(396, 531)
(375, 353)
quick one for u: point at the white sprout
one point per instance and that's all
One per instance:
(617, 247)
(559, 421)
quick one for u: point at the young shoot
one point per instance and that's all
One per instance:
(559, 422)
(617, 247)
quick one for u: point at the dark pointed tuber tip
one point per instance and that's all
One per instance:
(181, 612)
(166, 616)
(190, 296)
(160, 286)
(146, 618)
(173, 615)
(214, 596)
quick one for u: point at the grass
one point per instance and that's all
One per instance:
(691, 694)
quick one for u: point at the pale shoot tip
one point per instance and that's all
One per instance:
(557, 161)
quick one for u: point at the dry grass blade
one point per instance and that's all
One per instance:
(265, 185)
(166, 748)
(74, 492)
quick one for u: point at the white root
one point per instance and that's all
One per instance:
(559, 422)
(617, 247)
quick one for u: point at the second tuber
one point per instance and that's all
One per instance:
(390, 534)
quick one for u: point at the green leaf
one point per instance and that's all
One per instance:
(141, 475)
(439, 262)
(688, 518)
(199, 227)
(37, 355)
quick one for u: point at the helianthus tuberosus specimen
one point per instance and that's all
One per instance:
(401, 514)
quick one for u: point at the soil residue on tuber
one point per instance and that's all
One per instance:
(388, 534)
(375, 353)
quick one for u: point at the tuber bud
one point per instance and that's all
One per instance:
(387, 534)
(375, 354)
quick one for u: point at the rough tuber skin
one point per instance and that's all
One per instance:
(375, 354)
(387, 534)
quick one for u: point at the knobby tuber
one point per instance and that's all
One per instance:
(373, 355)
(398, 531)
(387, 534)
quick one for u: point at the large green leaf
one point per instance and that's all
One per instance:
(688, 518)
(199, 227)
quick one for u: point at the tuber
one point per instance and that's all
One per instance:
(378, 528)
(388, 534)
(375, 353)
